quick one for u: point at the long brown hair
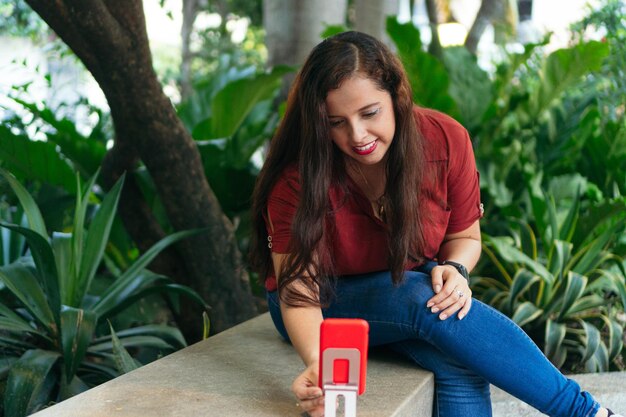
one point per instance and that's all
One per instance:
(303, 138)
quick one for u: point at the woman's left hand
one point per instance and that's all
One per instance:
(452, 293)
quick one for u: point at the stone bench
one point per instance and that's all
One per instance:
(244, 371)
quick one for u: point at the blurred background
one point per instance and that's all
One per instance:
(131, 136)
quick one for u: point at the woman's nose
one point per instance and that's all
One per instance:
(358, 131)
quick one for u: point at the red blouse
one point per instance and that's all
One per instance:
(450, 198)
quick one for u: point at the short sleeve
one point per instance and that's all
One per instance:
(463, 183)
(281, 209)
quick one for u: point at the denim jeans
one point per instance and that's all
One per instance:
(464, 355)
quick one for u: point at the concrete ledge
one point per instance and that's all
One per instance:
(244, 371)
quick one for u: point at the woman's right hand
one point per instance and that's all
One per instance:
(310, 397)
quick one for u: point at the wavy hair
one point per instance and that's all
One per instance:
(303, 138)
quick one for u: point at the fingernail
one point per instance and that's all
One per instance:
(429, 305)
(443, 316)
(434, 309)
(437, 288)
(461, 316)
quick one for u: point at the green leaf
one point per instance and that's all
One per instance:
(599, 362)
(428, 77)
(592, 253)
(569, 224)
(616, 337)
(35, 219)
(11, 322)
(522, 282)
(34, 160)
(96, 242)
(470, 86)
(77, 329)
(147, 284)
(511, 254)
(123, 361)
(71, 281)
(554, 349)
(26, 381)
(62, 248)
(563, 69)
(232, 104)
(122, 289)
(85, 153)
(134, 341)
(46, 272)
(170, 335)
(591, 340)
(575, 288)
(560, 255)
(206, 325)
(20, 278)
(587, 303)
(526, 313)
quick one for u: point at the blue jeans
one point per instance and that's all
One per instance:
(464, 355)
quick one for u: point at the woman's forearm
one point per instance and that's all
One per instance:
(463, 247)
(303, 327)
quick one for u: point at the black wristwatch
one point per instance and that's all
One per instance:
(462, 269)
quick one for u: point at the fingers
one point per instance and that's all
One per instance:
(437, 279)
(309, 396)
(455, 296)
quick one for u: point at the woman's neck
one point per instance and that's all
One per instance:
(371, 179)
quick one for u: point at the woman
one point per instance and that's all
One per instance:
(362, 185)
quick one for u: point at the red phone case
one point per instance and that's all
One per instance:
(344, 333)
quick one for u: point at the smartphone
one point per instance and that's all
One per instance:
(337, 335)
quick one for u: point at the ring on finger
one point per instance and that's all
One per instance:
(460, 293)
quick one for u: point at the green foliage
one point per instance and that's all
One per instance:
(231, 116)
(544, 122)
(49, 315)
(428, 77)
(563, 287)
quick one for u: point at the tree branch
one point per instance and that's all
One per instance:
(58, 17)
(98, 25)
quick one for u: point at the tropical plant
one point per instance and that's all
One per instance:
(561, 280)
(54, 336)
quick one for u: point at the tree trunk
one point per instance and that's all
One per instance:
(110, 39)
(433, 19)
(294, 27)
(489, 9)
(371, 17)
(190, 12)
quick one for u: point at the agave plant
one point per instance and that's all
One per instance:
(565, 289)
(54, 338)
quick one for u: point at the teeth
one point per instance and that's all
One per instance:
(366, 147)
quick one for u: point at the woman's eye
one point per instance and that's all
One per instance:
(335, 123)
(371, 114)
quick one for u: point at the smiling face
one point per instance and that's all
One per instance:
(362, 121)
